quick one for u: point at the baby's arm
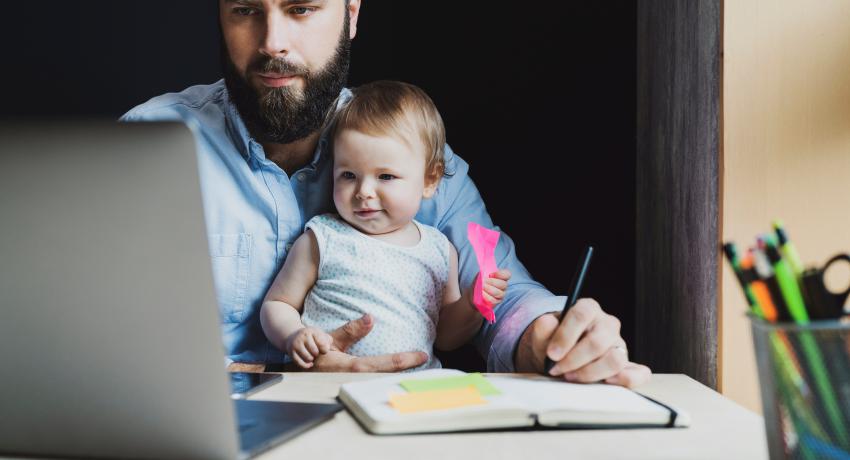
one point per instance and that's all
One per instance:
(459, 319)
(280, 314)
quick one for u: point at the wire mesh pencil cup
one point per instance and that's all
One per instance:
(804, 371)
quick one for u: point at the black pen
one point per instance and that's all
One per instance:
(575, 289)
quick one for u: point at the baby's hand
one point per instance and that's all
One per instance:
(496, 285)
(306, 344)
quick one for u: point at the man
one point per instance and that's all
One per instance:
(265, 171)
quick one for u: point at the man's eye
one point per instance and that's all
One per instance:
(301, 10)
(246, 11)
(347, 175)
(386, 177)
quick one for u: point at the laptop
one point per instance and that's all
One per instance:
(109, 337)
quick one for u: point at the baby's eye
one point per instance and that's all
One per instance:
(386, 177)
(347, 175)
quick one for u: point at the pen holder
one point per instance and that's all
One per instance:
(804, 372)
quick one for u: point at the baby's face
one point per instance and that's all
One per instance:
(379, 182)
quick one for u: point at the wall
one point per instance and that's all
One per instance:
(786, 146)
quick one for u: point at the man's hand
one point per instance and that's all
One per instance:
(586, 347)
(337, 360)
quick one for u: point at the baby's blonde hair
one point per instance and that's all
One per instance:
(394, 108)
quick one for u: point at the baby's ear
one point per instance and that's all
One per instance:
(432, 181)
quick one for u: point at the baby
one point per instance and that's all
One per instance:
(373, 257)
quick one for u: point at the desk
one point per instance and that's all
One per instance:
(720, 429)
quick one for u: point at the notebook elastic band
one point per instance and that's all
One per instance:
(673, 414)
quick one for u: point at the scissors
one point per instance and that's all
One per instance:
(823, 303)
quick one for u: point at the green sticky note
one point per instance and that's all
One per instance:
(446, 383)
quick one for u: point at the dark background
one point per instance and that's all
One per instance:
(538, 98)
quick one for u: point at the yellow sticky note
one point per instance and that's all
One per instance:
(438, 399)
(456, 381)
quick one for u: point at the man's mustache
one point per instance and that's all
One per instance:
(278, 65)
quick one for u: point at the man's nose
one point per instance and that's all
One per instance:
(278, 39)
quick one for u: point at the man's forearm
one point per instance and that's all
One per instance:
(523, 304)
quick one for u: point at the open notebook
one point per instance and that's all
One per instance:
(388, 405)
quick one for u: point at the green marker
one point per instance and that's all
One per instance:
(787, 283)
(787, 247)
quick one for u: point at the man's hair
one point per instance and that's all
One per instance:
(402, 110)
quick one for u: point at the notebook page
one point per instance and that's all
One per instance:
(543, 396)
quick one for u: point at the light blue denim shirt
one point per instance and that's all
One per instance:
(255, 211)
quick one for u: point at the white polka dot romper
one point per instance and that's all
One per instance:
(401, 287)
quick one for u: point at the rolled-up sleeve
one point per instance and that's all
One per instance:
(457, 203)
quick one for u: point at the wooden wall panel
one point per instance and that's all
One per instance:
(678, 165)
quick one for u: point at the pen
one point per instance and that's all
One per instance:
(575, 289)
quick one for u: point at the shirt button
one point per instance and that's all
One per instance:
(301, 176)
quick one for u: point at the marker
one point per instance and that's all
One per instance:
(787, 283)
(765, 273)
(732, 255)
(787, 247)
(575, 289)
(759, 290)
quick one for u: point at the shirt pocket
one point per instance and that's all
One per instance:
(231, 257)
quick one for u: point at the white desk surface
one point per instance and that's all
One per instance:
(720, 429)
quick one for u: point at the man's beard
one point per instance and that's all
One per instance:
(284, 115)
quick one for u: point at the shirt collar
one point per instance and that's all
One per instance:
(236, 128)
(241, 137)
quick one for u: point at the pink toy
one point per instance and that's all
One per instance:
(483, 242)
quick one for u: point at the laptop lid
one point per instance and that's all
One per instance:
(110, 337)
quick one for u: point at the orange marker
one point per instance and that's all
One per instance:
(760, 291)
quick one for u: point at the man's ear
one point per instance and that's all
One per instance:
(353, 14)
